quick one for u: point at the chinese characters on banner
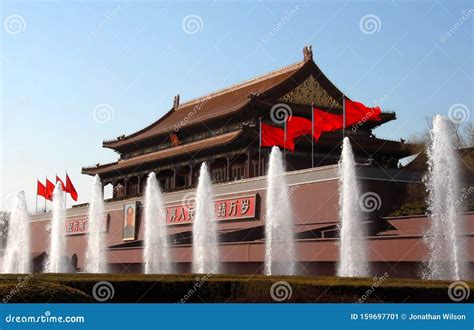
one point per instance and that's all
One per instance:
(80, 226)
(225, 209)
(76, 226)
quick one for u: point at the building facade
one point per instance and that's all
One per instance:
(222, 129)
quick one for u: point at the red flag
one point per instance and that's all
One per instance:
(298, 126)
(63, 187)
(40, 189)
(356, 112)
(275, 136)
(323, 122)
(49, 190)
(326, 122)
(70, 188)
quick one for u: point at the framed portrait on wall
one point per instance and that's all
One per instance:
(129, 221)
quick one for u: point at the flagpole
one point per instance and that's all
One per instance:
(312, 135)
(46, 183)
(36, 194)
(259, 146)
(65, 196)
(343, 116)
(284, 145)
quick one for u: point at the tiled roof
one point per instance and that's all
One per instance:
(213, 105)
(188, 149)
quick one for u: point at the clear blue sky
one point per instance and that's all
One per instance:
(63, 59)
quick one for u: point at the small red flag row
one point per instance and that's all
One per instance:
(322, 121)
(46, 190)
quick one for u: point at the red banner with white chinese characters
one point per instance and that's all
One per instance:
(225, 209)
(76, 226)
(80, 226)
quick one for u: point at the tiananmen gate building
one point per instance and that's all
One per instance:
(222, 129)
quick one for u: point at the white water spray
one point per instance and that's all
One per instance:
(96, 260)
(17, 251)
(156, 252)
(57, 250)
(443, 237)
(205, 234)
(279, 235)
(353, 232)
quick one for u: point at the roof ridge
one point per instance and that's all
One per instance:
(245, 83)
(99, 165)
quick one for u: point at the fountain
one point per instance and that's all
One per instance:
(205, 234)
(353, 232)
(56, 261)
(443, 238)
(95, 259)
(156, 253)
(279, 243)
(17, 251)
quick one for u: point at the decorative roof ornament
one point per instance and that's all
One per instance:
(176, 102)
(308, 53)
